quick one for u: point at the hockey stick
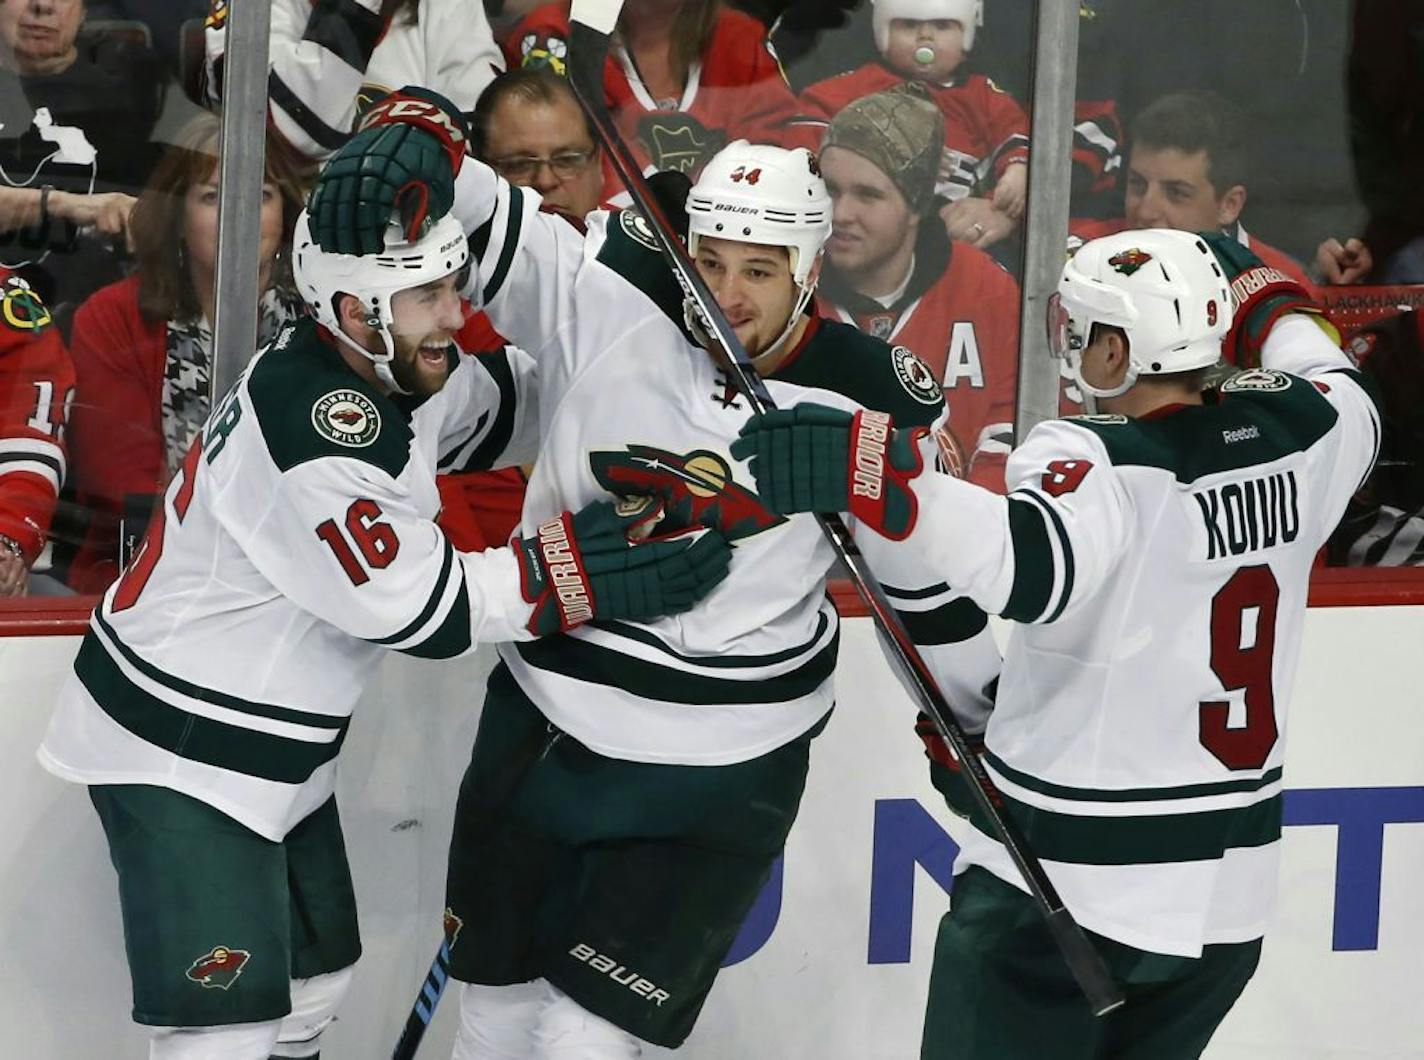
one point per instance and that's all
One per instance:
(591, 25)
(424, 1008)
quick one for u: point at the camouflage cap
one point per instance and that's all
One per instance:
(902, 132)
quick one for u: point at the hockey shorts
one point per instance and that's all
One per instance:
(622, 883)
(1000, 990)
(217, 919)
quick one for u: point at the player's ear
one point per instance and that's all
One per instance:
(351, 313)
(1230, 205)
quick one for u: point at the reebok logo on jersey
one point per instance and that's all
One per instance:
(601, 962)
(1241, 434)
(868, 466)
(1258, 513)
(219, 967)
(570, 584)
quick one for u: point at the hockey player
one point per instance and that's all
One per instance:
(983, 172)
(215, 686)
(632, 784)
(1157, 557)
(36, 390)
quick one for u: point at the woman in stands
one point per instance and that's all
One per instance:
(142, 347)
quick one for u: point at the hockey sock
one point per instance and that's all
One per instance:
(568, 1031)
(497, 1022)
(240, 1041)
(314, 1005)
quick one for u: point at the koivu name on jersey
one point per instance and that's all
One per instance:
(1248, 516)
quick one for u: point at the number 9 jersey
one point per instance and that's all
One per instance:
(1157, 569)
(296, 543)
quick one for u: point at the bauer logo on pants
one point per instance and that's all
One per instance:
(346, 417)
(219, 967)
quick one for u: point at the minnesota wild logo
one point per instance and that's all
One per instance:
(21, 306)
(1129, 261)
(678, 141)
(697, 489)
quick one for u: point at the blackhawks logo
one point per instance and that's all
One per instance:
(1129, 261)
(21, 306)
(549, 52)
(217, 15)
(678, 141)
(697, 489)
(347, 418)
(219, 967)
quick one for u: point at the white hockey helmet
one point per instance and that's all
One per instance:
(1164, 288)
(322, 277)
(756, 193)
(968, 13)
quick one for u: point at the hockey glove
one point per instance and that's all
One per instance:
(812, 458)
(1260, 295)
(587, 565)
(399, 166)
(946, 772)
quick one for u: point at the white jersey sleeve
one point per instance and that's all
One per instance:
(492, 415)
(342, 540)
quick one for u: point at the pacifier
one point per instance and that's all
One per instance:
(924, 55)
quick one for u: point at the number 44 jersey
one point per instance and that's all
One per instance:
(294, 546)
(1158, 569)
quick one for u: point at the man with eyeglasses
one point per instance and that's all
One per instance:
(528, 127)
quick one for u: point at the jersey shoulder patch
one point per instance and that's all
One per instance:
(630, 249)
(843, 359)
(310, 405)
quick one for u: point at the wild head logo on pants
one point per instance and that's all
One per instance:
(219, 967)
(697, 489)
(678, 141)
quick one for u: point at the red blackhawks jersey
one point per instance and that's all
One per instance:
(736, 90)
(36, 390)
(963, 324)
(985, 129)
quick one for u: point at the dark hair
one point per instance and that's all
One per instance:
(1195, 378)
(530, 84)
(165, 290)
(1198, 121)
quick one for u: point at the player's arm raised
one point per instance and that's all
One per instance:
(1027, 556)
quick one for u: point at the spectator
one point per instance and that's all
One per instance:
(77, 112)
(1187, 169)
(986, 131)
(331, 59)
(143, 346)
(901, 280)
(684, 78)
(528, 126)
(36, 388)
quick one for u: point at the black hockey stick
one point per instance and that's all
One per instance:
(591, 25)
(424, 1008)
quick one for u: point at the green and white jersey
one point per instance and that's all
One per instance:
(1158, 568)
(293, 547)
(632, 404)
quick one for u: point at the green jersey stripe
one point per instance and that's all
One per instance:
(1183, 791)
(452, 637)
(915, 594)
(1033, 562)
(496, 441)
(582, 661)
(509, 245)
(208, 695)
(643, 636)
(951, 623)
(1151, 839)
(1065, 548)
(192, 736)
(413, 627)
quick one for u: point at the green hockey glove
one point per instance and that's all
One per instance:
(400, 166)
(600, 563)
(1260, 295)
(811, 458)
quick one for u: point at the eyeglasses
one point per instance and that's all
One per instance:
(519, 169)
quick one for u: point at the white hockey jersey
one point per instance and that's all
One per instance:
(294, 546)
(632, 404)
(1159, 568)
(330, 61)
